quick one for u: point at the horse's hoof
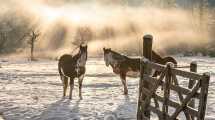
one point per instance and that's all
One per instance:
(126, 93)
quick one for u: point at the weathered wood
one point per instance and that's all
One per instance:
(156, 103)
(139, 114)
(182, 73)
(153, 89)
(166, 91)
(157, 66)
(147, 53)
(203, 95)
(183, 90)
(186, 74)
(145, 86)
(176, 105)
(153, 81)
(185, 101)
(181, 98)
(159, 113)
(193, 68)
(148, 86)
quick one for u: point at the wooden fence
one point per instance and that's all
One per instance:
(173, 100)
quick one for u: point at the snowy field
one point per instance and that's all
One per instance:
(33, 91)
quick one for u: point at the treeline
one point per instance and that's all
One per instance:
(16, 29)
(13, 30)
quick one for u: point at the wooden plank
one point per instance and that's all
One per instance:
(193, 68)
(203, 96)
(156, 103)
(159, 113)
(186, 74)
(153, 81)
(176, 105)
(182, 73)
(165, 108)
(145, 86)
(146, 91)
(152, 92)
(147, 53)
(157, 66)
(185, 101)
(183, 90)
(181, 98)
(139, 114)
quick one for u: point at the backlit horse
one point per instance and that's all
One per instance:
(71, 67)
(122, 64)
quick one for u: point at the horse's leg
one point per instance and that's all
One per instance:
(65, 84)
(71, 87)
(80, 80)
(123, 79)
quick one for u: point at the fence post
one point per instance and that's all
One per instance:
(193, 68)
(139, 109)
(203, 95)
(147, 53)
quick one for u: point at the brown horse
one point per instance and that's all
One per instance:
(72, 67)
(122, 64)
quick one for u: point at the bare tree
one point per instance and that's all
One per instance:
(33, 38)
(203, 6)
(83, 34)
(3, 40)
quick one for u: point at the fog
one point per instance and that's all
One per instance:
(65, 25)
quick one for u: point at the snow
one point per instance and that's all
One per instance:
(33, 91)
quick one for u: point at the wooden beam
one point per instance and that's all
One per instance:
(165, 108)
(185, 101)
(181, 98)
(187, 74)
(193, 68)
(203, 96)
(182, 73)
(159, 113)
(147, 53)
(176, 105)
(153, 81)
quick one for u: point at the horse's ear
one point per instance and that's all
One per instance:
(104, 48)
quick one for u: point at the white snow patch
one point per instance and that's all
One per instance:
(33, 91)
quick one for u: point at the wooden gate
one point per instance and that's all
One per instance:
(164, 96)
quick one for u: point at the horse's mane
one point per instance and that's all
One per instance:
(114, 52)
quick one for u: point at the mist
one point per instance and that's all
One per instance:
(66, 24)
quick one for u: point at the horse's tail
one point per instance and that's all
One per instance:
(59, 69)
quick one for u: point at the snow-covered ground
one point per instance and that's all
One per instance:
(33, 91)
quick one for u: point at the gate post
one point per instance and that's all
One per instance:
(193, 68)
(147, 53)
(203, 96)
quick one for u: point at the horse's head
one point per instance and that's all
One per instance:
(107, 56)
(83, 55)
(83, 49)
